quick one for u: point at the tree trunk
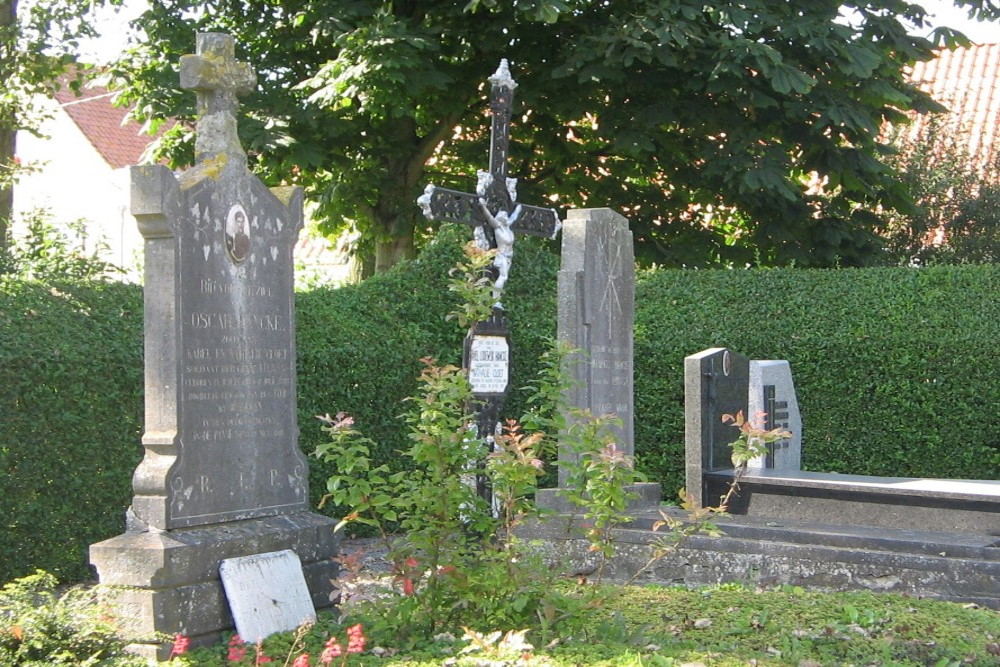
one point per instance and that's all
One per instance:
(8, 136)
(8, 121)
(393, 250)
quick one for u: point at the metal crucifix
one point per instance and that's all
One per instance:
(493, 210)
(496, 216)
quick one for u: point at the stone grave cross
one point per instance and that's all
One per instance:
(218, 80)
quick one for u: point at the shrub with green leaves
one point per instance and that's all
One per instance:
(894, 371)
(40, 627)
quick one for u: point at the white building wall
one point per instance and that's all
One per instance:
(74, 183)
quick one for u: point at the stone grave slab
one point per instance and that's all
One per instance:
(267, 593)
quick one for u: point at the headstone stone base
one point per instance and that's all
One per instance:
(646, 496)
(160, 583)
(765, 553)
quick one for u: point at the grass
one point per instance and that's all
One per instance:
(724, 625)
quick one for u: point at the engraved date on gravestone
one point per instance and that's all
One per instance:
(489, 364)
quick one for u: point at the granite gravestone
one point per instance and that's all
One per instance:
(771, 399)
(715, 384)
(596, 302)
(222, 475)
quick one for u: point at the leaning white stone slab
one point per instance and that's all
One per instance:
(267, 594)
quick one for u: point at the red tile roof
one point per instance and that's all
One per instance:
(120, 143)
(967, 81)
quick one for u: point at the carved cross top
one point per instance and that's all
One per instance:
(493, 210)
(218, 79)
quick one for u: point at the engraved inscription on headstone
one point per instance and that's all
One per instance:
(267, 594)
(596, 310)
(772, 393)
(489, 364)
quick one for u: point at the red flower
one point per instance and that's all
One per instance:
(181, 645)
(237, 651)
(330, 651)
(301, 661)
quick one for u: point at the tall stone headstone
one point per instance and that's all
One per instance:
(715, 384)
(771, 400)
(222, 476)
(596, 302)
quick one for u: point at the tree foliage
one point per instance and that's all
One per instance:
(727, 132)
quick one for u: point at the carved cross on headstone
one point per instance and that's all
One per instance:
(217, 79)
(493, 210)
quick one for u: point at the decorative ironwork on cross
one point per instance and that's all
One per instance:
(217, 79)
(493, 210)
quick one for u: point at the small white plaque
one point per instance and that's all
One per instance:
(267, 593)
(489, 364)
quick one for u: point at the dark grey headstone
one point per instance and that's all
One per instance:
(715, 383)
(220, 332)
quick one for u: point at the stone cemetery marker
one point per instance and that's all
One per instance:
(596, 300)
(772, 393)
(497, 217)
(222, 475)
(267, 594)
(715, 383)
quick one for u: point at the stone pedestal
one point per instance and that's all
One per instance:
(165, 582)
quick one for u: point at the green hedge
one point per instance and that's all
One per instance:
(71, 384)
(70, 420)
(894, 368)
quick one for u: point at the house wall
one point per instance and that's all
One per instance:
(74, 183)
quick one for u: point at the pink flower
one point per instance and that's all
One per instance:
(330, 651)
(181, 645)
(237, 651)
(338, 423)
(356, 639)
(301, 661)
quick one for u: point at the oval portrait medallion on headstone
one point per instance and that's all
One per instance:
(237, 233)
